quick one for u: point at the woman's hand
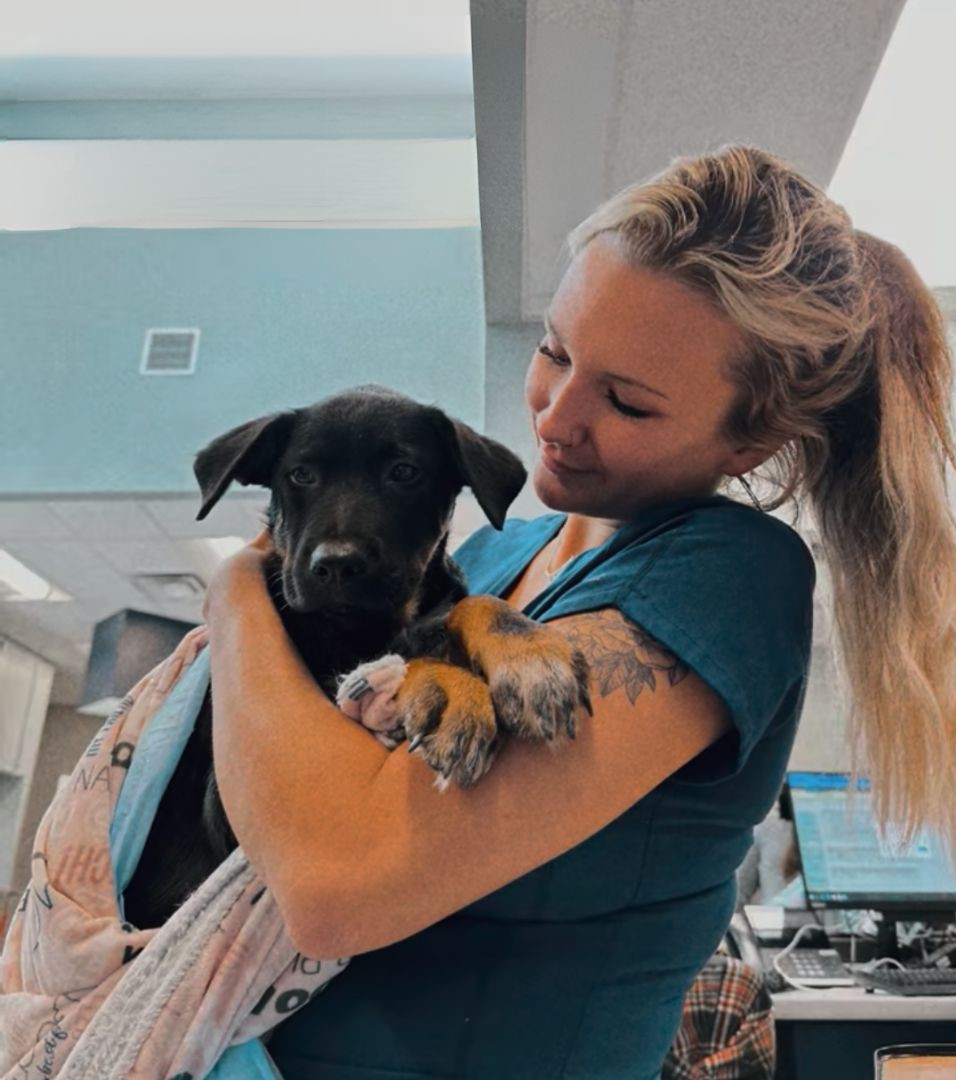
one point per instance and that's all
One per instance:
(241, 571)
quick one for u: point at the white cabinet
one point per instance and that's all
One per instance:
(25, 683)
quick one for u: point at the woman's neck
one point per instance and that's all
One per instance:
(580, 533)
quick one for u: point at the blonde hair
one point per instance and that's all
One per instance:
(846, 381)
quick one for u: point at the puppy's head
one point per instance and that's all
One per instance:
(363, 488)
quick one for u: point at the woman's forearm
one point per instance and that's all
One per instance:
(294, 772)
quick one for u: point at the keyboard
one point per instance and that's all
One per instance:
(914, 982)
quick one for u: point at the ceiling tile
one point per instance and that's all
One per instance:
(28, 519)
(68, 619)
(159, 556)
(65, 563)
(107, 519)
(68, 564)
(200, 557)
(230, 517)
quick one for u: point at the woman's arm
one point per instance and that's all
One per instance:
(356, 844)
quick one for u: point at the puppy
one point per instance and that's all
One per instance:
(363, 486)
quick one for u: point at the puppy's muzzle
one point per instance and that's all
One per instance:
(336, 563)
(341, 576)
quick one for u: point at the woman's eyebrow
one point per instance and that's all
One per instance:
(549, 326)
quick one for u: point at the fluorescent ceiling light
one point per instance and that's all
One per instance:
(19, 583)
(169, 183)
(224, 546)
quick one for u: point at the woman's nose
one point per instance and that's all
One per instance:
(561, 420)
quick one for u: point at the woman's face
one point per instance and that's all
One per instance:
(609, 329)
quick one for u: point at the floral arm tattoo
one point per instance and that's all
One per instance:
(622, 654)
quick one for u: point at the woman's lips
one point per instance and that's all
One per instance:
(552, 464)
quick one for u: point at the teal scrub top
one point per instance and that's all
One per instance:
(579, 968)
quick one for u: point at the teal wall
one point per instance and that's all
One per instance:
(286, 316)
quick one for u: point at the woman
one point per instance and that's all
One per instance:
(548, 921)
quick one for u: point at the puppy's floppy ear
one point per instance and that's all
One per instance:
(491, 470)
(247, 453)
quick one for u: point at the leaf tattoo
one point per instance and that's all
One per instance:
(622, 654)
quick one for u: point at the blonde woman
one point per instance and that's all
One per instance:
(722, 317)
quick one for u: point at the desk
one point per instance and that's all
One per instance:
(832, 1033)
(857, 1003)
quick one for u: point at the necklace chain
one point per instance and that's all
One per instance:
(548, 572)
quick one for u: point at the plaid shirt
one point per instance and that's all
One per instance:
(726, 1031)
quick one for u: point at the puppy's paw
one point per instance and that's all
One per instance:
(367, 695)
(538, 679)
(449, 720)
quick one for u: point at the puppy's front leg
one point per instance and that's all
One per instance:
(538, 679)
(449, 720)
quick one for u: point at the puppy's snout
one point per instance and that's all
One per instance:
(338, 562)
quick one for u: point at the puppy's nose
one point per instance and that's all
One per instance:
(337, 561)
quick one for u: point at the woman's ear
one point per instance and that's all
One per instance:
(494, 474)
(747, 458)
(247, 453)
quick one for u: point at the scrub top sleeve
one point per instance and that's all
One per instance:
(732, 596)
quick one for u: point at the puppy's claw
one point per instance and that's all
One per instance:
(569, 726)
(582, 673)
(447, 715)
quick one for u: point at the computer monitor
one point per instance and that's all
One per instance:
(844, 862)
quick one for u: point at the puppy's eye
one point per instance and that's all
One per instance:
(302, 477)
(404, 473)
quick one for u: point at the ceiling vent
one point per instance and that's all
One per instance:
(170, 588)
(170, 351)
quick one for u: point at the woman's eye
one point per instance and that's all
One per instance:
(302, 477)
(552, 356)
(626, 410)
(403, 473)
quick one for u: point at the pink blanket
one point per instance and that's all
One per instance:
(84, 994)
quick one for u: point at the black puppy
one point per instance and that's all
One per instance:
(363, 488)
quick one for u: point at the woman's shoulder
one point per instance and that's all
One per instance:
(757, 537)
(725, 571)
(711, 553)
(717, 528)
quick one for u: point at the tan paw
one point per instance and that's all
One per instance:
(538, 680)
(449, 720)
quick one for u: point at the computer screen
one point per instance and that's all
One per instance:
(846, 864)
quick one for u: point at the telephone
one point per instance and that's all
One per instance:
(803, 967)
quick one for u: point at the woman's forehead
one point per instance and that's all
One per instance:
(628, 318)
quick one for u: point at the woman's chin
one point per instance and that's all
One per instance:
(553, 491)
